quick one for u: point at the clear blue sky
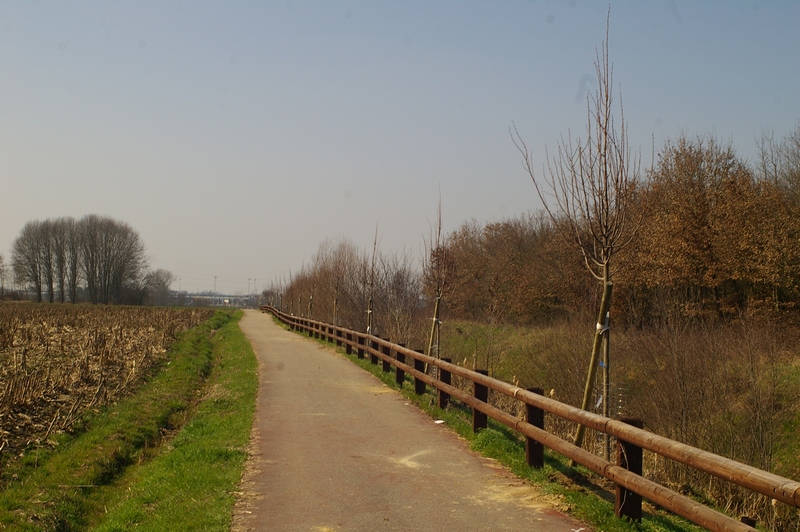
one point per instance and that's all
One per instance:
(235, 136)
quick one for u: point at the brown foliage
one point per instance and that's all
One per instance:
(513, 271)
(713, 233)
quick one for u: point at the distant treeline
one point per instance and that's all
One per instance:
(717, 236)
(96, 258)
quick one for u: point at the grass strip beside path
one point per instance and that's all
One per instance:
(192, 486)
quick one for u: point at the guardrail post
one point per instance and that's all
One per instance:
(419, 384)
(749, 521)
(400, 375)
(386, 350)
(373, 358)
(534, 451)
(444, 376)
(360, 348)
(629, 456)
(348, 348)
(481, 393)
(338, 335)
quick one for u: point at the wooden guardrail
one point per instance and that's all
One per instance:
(626, 473)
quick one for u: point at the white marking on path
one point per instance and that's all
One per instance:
(408, 461)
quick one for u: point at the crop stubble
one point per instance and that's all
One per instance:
(58, 361)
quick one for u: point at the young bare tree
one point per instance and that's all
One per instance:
(400, 290)
(435, 273)
(370, 317)
(588, 189)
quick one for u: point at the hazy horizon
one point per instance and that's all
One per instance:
(236, 136)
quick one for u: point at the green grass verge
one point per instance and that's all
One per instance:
(193, 485)
(580, 497)
(124, 469)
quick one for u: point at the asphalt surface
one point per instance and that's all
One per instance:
(334, 449)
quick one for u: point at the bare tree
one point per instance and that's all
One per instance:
(370, 309)
(157, 287)
(400, 288)
(592, 184)
(112, 258)
(73, 245)
(435, 274)
(59, 243)
(779, 162)
(47, 257)
(3, 275)
(26, 258)
(107, 254)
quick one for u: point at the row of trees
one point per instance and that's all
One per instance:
(356, 289)
(62, 258)
(716, 236)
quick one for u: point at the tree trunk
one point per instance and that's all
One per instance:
(605, 305)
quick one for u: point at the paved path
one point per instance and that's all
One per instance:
(335, 449)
